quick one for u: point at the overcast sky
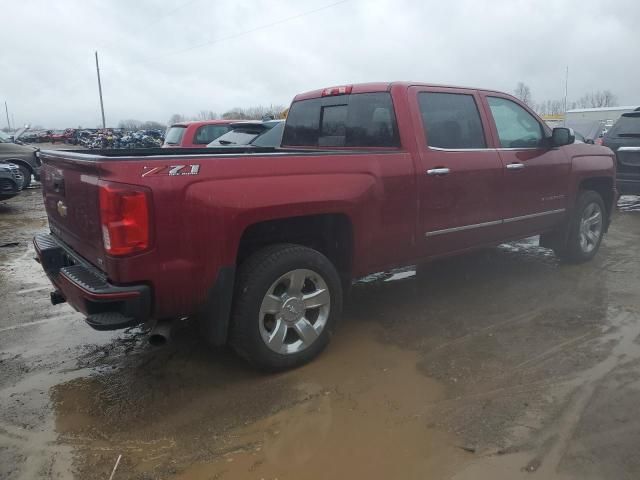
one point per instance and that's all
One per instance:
(160, 57)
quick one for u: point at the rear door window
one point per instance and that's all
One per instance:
(357, 120)
(208, 133)
(451, 120)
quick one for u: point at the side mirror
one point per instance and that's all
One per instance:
(562, 136)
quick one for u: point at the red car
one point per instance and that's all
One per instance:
(195, 134)
(260, 247)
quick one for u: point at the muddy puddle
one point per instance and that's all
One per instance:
(361, 413)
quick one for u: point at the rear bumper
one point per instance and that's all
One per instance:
(85, 288)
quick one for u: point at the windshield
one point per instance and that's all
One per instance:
(174, 135)
(270, 138)
(238, 136)
(4, 138)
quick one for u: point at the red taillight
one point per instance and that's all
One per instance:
(345, 90)
(124, 216)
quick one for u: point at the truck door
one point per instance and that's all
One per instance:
(535, 179)
(460, 176)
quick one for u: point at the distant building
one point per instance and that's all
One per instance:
(553, 120)
(609, 115)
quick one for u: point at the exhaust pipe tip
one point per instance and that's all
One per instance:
(158, 340)
(57, 298)
(160, 334)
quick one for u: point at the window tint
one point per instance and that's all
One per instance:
(174, 135)
(516, 127)
(358, 120)
(451, 120)
(208, 133)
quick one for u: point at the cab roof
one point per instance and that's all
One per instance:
(385, 87)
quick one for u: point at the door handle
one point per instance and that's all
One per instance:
(515, 166)
(438, 172)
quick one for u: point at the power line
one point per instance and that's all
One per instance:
(245, 32)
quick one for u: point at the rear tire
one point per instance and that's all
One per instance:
(585, 228)
(287, 301)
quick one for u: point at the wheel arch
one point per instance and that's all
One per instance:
(603, 186)
(329, 233)
(19, 161)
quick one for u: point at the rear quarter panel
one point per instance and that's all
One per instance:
(199, 219)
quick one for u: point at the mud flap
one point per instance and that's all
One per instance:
(213, 320)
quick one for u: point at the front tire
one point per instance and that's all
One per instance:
(288, 299)
(585, 228)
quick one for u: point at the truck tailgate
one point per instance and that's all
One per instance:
(70, 190)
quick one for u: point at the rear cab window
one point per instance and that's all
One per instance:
(355, 120)
(174, 135)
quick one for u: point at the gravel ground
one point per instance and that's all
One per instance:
(503, 364)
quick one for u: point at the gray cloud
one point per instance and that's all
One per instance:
(152, 69)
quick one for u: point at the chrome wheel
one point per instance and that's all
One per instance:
(294, 311)
(590, 227)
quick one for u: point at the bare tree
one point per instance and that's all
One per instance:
(176, 118)
(207, 115)
(598, 99)
(130, 124)
(153, 125)
(254, 113)
(523, 92)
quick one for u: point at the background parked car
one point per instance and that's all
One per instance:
(624, 139)
(10, 181)
(591, 131)
(252, 134)
(195, 134)
(27, 158)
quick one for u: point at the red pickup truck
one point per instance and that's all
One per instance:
(261, 246)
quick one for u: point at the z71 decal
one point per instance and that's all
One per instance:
(171, 170)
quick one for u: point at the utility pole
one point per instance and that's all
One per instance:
(566, 91)
(104, 124)
(6, 109)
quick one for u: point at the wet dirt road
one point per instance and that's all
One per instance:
(498, 365)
